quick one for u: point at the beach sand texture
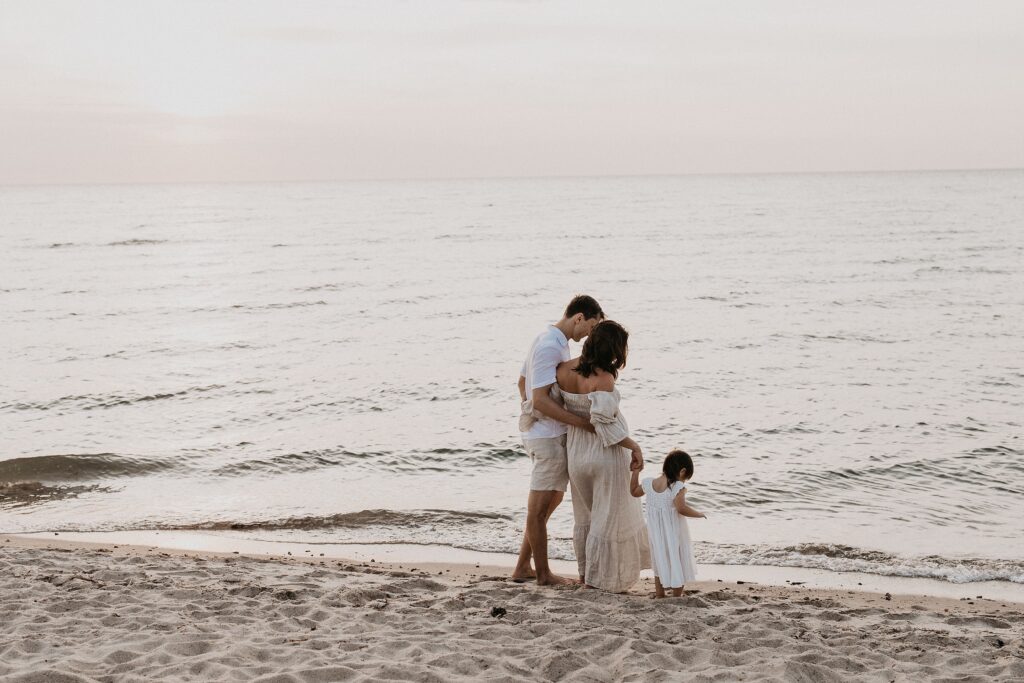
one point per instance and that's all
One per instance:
(76, 613)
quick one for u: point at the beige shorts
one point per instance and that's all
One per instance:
(550, 463)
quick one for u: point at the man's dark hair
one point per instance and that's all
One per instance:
(586, 305)
(606, 348)
(678, 467)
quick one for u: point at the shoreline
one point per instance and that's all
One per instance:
(470, 563)
(80, 612)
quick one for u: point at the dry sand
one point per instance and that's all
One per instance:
(75, 612)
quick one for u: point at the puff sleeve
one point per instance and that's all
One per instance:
(608, 422)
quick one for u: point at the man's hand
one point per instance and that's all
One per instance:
(545, 405)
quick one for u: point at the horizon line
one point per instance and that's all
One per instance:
(506, 177)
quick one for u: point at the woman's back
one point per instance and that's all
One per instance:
(574, 383)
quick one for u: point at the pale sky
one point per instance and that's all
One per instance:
(147, 91)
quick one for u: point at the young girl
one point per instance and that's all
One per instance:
(671, 552)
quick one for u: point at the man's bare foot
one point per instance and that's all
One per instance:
(555, 580)
(524, 576)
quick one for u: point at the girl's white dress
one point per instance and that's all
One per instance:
(671, 550)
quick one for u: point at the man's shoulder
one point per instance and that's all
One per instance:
(546, 338)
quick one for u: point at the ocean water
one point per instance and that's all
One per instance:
(336, 362)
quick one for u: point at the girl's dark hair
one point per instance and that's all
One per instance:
(606, 349)
(677, 462)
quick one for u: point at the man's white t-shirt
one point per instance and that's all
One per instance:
(550, 348)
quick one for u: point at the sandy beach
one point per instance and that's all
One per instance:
(81, 612)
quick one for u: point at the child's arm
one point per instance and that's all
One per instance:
(634, 484)
(685, 510)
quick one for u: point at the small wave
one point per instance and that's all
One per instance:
(860, 338)
(134, 243)
(403, 519)
(290, 304)
(461, 460)
(25, 493)
(329, 287)
(97, 401)
(260, 307)
(844, 558)
(798, 428)
(303, 461)
(77, 467)
(442, 459)
(962, 467)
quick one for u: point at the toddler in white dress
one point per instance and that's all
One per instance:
(671, 550)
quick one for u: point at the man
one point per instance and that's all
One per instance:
(543, 427)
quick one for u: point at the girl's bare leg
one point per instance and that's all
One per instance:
(659, 590)
(677, 592)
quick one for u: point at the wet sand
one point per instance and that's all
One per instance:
(81, 612)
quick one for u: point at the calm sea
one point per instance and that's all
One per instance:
(842, 354)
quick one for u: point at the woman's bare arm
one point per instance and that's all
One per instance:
(636, 456)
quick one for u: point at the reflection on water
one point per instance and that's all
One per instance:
(24, 493)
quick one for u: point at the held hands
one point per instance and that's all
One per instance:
(636, 460)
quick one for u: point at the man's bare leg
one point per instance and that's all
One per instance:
(524, 570)
(539, 507)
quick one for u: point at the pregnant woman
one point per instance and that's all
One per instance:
(609, 535)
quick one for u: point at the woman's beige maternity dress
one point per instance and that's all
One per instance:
(609, 534)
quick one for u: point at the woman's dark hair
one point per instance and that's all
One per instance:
(606, 349)
(586, 305)
(677, 462)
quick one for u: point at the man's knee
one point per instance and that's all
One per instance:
(542, 503)
(539, 514)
